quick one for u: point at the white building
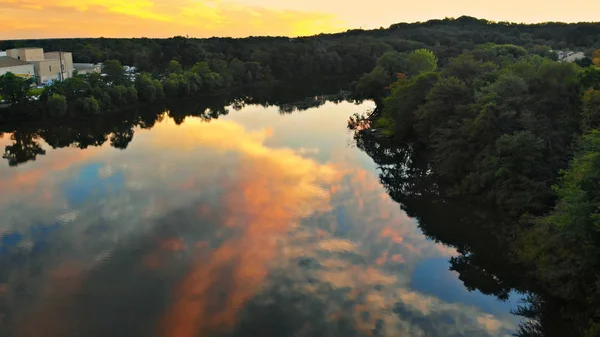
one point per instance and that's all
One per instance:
(569, 56)
(15, 66)
(574, 57)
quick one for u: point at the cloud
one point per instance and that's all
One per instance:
(155, 18)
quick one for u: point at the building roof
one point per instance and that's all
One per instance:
(7, 61)
(85, 66)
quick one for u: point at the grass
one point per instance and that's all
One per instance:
(35, 91)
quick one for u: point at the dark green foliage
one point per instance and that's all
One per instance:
(591, 110)
(564, 246)
(174, 67)
(14, 88)
(495, 126)
(145, 88)
(351, 53)
(419, 61)
(115, 73)
(131, 95)
(57, 105)
(88, 106)
(466, 68)
(392, 62)
(405, 98)
(590, 78)
(373, 84)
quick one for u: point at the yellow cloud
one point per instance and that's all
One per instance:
(155, 18)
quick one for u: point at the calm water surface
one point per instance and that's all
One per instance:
(257, 223)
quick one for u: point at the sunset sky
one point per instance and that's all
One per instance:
(239, 18)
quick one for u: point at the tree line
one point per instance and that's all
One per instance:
(92, 94)
(181, 66)
(516, 132)
(350, 53)
(118, 129)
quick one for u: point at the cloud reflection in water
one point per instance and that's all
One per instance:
(215, 233)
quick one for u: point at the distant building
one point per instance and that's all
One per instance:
(26, 54)
(87, 68)
(2, 53)
(16, 66)
(574, 57)
(66, 62)
(47, 71)
(569, 56)
(48, 67)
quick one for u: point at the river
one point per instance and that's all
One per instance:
(241, 219)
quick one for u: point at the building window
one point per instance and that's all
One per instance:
(19, 57)
(50, 68)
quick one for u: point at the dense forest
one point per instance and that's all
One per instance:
(351, 53)
(180, 66)
(476, 121)
(506, 130)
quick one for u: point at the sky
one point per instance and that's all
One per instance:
(22, 19)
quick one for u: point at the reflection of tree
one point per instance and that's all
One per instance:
(119, 128)
(24, 149)
(481, 236)
(120, 139)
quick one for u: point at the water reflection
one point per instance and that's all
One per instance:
(252, 223)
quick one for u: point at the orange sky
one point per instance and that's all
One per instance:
(239, 18)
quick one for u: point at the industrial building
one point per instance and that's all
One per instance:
(47, 67)
(16, 66)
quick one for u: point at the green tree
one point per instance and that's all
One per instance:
(373, 85)
(174, 67)
(145, 88)
(392, 62)
(88, 106)
(420, 61)
(513, 172)
(159, 90)
(117, 94)
(590, 78)
(237, 69)
(564, 246)
(14, 88)
(115, 73)
(72, 88)
(466, 68)
(591, 110)
(171, 85)
(131, 95)
(404, 100)
(57, 105)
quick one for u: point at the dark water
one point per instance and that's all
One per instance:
(265, 221)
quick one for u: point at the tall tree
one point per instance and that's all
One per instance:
(14, 88)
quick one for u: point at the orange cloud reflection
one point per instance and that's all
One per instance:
(267, 196)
